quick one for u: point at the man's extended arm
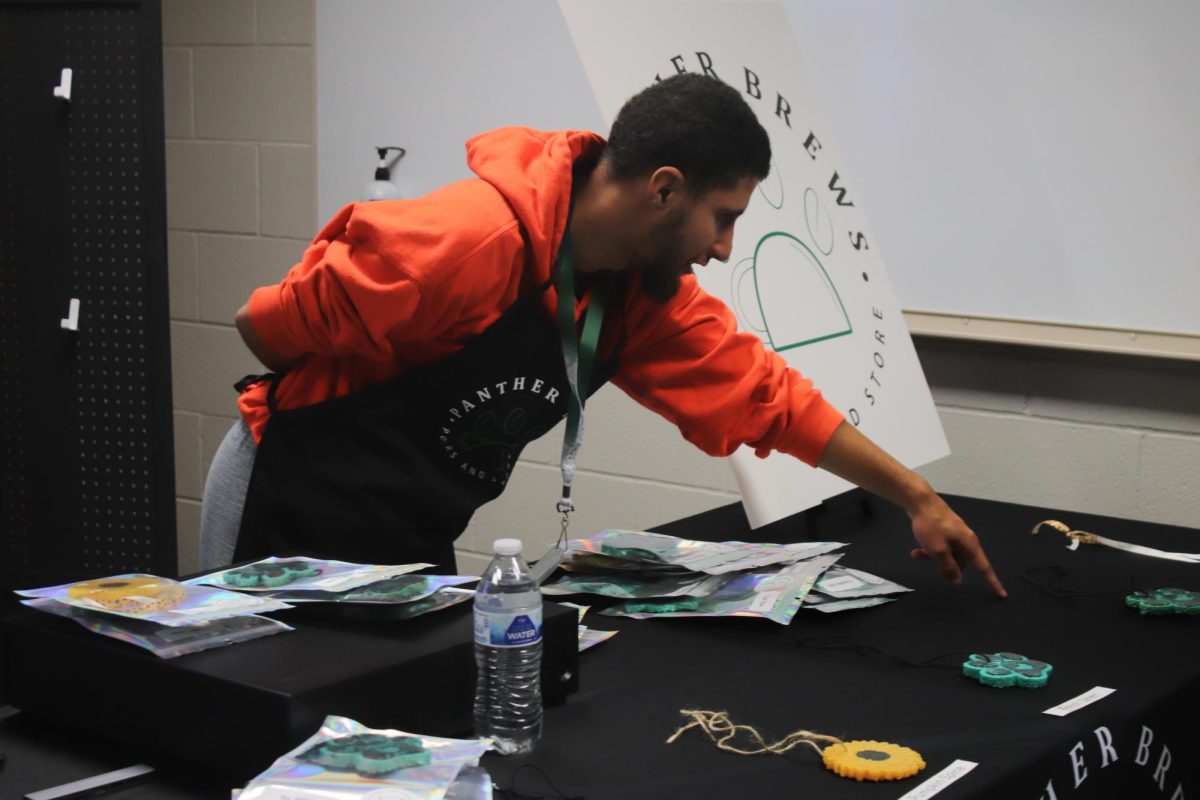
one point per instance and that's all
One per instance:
(941, 534)
(257, 346)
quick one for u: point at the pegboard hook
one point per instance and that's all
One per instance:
(71, 323)
(63, 89)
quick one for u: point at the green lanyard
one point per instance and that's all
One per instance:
(579, 358)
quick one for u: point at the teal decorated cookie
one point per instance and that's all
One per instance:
(1007, 669)
(662, 606)
(1165, 601)
(397, 589)
(368, 753)
(629, 553)
(269, 574)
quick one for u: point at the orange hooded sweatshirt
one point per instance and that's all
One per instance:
(389, 286)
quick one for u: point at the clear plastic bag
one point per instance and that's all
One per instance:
(163, 640)
(154, 599)
(395, 590)
(301, 573)
(346, 760)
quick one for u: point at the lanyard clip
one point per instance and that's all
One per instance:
(565, 506)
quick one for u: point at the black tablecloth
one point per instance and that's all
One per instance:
(608, 741)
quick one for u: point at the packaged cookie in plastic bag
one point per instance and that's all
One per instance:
(346, 760)
(163, 640)
(154, 599)
(389, 591)
(301, 573)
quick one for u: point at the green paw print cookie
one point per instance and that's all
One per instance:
(368, 753)
(1007, 669)
(663, 606)
(1165, 601)
(397, 589)
(269, 574)
(630, 553)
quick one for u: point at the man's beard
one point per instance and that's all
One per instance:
(661, 271)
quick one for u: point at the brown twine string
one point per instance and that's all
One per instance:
(721, 730)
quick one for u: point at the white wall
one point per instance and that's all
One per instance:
(1108, 435)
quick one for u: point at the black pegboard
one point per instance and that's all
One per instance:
(85, 440)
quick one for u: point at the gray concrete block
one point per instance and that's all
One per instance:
(231, 267)
(548, 449)
(187, 530)
(961, 376)
(253, 93)
(177, 92)
(285, 21)
(212, 186)
(1169, 483)
(182, 278)
(206, 360)
(286, 191)
(188, 477)
(471, 563)
(1153, 394)
(1038, 462)
(208, 22)
(624, 438)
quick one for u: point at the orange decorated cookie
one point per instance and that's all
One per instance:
(134, 594)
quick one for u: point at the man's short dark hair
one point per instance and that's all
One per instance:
(695, 123)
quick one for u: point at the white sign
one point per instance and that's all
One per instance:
(805, 274)
(939, 781)
(1076, 703)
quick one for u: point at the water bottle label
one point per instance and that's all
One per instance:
(500, 629)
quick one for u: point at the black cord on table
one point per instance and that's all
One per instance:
(511, 792)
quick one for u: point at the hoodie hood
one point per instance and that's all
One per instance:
(532, 170)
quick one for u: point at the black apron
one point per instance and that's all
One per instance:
(391, 474)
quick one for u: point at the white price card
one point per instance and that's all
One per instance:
(1076, 703)
(935, 783)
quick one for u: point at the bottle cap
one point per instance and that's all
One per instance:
(507, 547)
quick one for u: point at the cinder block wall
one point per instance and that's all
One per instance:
(238, 92)
(1110, 435)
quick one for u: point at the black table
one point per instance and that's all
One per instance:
(608, 740)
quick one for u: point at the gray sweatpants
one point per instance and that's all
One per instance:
(225, 496)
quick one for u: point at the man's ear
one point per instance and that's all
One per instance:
(665, 186)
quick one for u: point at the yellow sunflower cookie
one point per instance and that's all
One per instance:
(872, 761)
(133, 594)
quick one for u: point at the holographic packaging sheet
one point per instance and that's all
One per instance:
(775, 595)
(395, 590)
(303, 573)
(635, 585)
(175, 604)
(713, 558)
(843, 583)
(346, 760)
(443, 598)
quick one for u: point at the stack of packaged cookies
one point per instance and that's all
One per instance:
(162, 615)
(655, 575)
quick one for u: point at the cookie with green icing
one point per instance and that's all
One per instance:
(1002, 670)
(1165, 601)
(368, 753)
(663, 606)
(397, 589)
(269, 574)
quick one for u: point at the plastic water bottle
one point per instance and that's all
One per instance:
(508, 652)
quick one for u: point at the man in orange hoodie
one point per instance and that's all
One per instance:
(420, 344)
